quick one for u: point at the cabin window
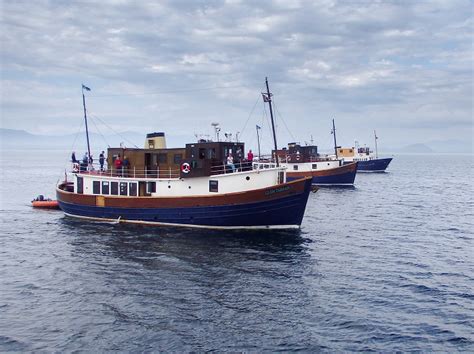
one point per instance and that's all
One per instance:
(350, 150)
(211, 153)
(150, 187)
(80, 185)
(341, 151)
(96, 187)
(177, 158)
(202, 154)
(114, 188)
(133, 189)
(123, 188)
(214, 186)
(151, 144)
(315, 166)
(295, 167)
(162, 158)
(105, 187)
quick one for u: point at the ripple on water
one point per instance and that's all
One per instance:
(385, 266)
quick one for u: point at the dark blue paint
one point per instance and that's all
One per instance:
(377, 165)
(343, 178)
(285, 211)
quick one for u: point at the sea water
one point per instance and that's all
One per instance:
(387, 265)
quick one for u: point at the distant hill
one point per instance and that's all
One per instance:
(451, 146)
(21, 139)
(417, 148)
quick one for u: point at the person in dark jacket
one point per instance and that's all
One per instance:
(101, 161)
(73, 157)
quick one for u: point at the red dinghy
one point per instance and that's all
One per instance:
(44, 203)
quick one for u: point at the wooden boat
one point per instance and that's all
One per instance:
(195, 186)
(197, 191)
(305, 161)
(368, 160)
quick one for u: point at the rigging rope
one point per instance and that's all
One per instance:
(248, 118)
(284, 123)
(108, 126)
(174, 91)
(98, 130)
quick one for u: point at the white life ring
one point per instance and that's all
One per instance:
(185, 167)
(75, 167)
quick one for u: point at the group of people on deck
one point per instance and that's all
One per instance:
(231, 164)
(87, 162)
(121, 166)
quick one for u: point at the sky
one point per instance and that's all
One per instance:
(403, 68)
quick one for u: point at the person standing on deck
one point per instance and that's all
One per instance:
(101, 161)
(230, 162)
(73, 157)
(250, 156)
(118, 165)
(125, 165)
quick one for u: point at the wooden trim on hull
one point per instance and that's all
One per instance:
(257, 195)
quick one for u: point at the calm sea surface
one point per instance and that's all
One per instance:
(385, 266)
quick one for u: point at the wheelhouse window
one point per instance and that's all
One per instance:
(211, 153)
(178, 158)
(202, 153)
(133, 189)
(105, 188)
(162, 158)
(123, 188)
(96, 187)
(114, 188)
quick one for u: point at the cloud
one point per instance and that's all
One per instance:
(369, 64)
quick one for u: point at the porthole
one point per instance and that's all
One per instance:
(247, 178)
(169, 186)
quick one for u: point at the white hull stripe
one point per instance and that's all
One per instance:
(261, 227)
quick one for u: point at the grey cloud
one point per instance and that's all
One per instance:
(350, 59)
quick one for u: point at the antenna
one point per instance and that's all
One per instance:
(376, 138)
(217, 129)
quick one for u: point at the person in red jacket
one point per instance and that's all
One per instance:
(250, 156)
(118, 165)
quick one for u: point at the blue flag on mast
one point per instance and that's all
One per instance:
(84, 87)
(258, 127)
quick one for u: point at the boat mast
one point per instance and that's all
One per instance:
(268, 98)
(334, 133)
(258, 142)
(376, 152)
(85, 119)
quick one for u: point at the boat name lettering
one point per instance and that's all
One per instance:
(277, 190)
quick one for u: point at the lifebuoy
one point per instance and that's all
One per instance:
(75, 167)
(185, 167)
